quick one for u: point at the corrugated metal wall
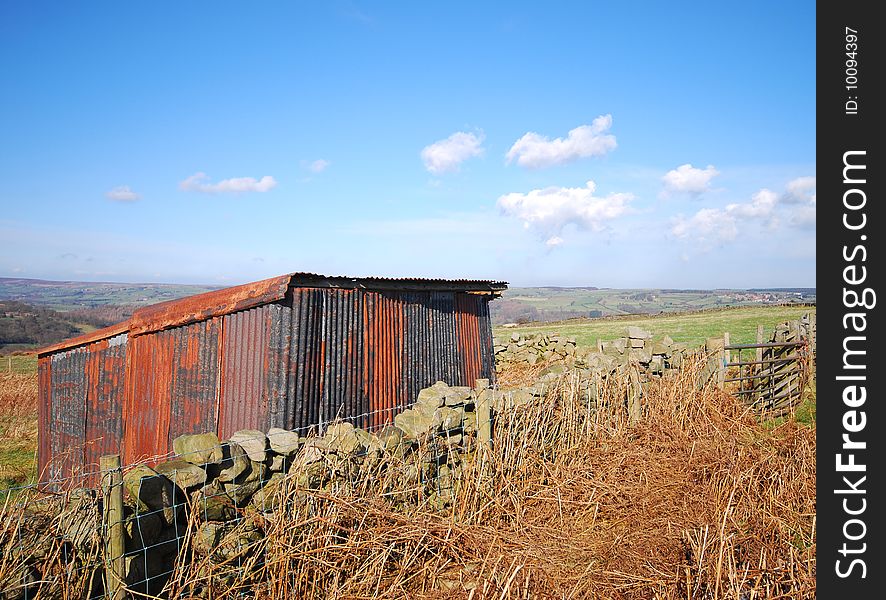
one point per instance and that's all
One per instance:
(317, 355)
(81, 399)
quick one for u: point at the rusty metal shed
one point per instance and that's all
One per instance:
(291, 351)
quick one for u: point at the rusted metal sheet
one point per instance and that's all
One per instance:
(210, 304)
(106, 370)
(296, 352)
(67, 412)
(194, 380)
(146, 404)
(80, 407)
(243, 399)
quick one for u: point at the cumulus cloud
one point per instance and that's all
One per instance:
(122, 193)
(318, 166)
(549, 210)
(711, 226)
(199, 182)
(800, 191)
(707, 226)
(799, 198)
(689, 179)
(760, 207)
(535, 151)
(445, 156)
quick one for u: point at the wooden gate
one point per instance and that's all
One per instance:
(770, 376)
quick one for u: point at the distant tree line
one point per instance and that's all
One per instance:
(24, 326)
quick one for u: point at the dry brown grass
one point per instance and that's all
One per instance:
(696, 500)
(18, 428)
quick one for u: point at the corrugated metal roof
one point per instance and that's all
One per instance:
(191, 309)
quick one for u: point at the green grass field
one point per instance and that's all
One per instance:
(18, 364)
(691, 328)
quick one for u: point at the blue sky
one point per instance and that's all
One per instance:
(220, 143)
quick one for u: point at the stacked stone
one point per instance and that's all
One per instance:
(519, 349)
(653, 354)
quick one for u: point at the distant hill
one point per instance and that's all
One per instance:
(72, 295)
(544, 304)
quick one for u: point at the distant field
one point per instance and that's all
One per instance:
(692, 328)
(18, 364)
(69, 295)
(554, 304)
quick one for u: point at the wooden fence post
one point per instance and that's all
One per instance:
(112, 489)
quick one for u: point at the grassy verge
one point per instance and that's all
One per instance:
(691, 328)
(18, 429)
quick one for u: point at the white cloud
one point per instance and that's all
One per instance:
(122, 193)
(549, 210)
(710, 226)
(445, 156)
(554, 241)
(536, 151)
(800, 191)
(707, 226)
(689, 179)
(803, 216)
(318, 166)
(198, 183)
(760, 207)
(799, 197)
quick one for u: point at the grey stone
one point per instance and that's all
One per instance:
(212, 503)
(278, 463)
(342, 438)
(637, 343)
(282, 441)
(153, 491)
(268, 497)
(446, 418)
(391, 437)
(313, 450)
(182, 473)
(633, 331)
(198, 448)
(253, 442)
(414, 423)
(457, 395)
(207, 537)
(430, 398)
(234, 461)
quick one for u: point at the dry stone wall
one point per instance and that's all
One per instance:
(652, 354)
